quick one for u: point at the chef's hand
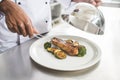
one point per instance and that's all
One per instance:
(16, 19)
(94, 2)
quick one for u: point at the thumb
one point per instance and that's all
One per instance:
(35, 31)
(92, 2)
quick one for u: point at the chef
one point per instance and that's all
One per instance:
(26, 18)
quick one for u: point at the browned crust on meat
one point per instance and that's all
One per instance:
(68, 48)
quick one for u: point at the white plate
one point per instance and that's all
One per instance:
(71, 63)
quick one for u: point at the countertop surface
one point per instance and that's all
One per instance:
(16, 64)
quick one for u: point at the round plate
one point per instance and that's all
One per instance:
(70, 63)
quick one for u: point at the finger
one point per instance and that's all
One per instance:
(10, 26)
(11, 23)
(16, 28)
(92, 2)
(35, 31)
(98, 2)
(21, 28)
(12, 29)
(29, 29)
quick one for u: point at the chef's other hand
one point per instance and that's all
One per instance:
(16, 19)
(94, 2)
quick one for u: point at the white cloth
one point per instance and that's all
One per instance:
(39, 12)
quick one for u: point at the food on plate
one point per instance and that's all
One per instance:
(57, 52)
(81, 51)
(47, 45)
(71, 47)
(65, 46)
(61, 47)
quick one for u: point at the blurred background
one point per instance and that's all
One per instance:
(56, 8)
(111, 3)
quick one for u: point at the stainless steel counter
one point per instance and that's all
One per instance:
(16, 64)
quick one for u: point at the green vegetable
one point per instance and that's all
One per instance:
(47, 45)
(82, 51)
(57, 52)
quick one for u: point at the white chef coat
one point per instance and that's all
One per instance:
(40, 14)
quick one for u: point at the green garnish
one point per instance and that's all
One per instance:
(82, 51)
(47, 45)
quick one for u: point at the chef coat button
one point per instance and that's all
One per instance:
(46, 21)
(45, 2)
(19, 3)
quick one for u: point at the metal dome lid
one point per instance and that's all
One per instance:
(86, 17)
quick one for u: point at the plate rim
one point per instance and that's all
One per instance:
(97, 59)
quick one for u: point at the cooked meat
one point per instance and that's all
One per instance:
(67, 47)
